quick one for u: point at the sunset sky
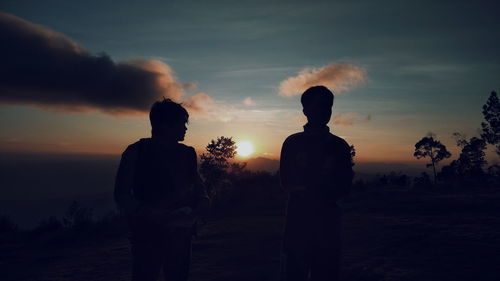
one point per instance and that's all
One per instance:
(399, 69)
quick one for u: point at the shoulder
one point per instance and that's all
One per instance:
(134, 147)
(295, 138)
(186, 149)
(338, 142)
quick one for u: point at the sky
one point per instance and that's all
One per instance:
(79, 77)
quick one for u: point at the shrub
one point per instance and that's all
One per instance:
(423, 181)
(77, 216)
(7, 225)
(49, 225)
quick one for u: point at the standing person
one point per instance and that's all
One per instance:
(160, 191)
(316, 171)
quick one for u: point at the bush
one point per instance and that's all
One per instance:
(77, 216)
(50, 224)
(423, 181)
(359, 185)
(7, 225)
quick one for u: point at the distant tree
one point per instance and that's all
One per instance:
(215, 162)
(359, 185)
(383, 180)
(48, 225)
(494, 174)
(471, 161)
(449, 173)
(7, 224)
(394, 179)
(423, 181)
(491, 128)
(237, 169)
(434, 149)
(77, 216)
(398, 179)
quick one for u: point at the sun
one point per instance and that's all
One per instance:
(244, 148)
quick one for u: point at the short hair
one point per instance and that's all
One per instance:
(317, 92)
(167, 111)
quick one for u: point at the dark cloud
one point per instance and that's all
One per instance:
(44, 68)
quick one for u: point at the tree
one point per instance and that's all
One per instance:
(7, 224)
(491, 128)
(423, 181)
(434, 149)
(472, 157)
(214, 163)
(77, 216)
(48, 225)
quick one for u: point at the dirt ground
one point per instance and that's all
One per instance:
(390, 235)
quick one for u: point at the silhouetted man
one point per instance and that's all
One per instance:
(159, 189)
(316, 170)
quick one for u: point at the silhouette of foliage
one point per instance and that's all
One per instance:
(353, 153)
(382, 180)
(471, 161)
(449, 173)
(422, 181)
(359, 185)
(48, 225)
(494, 174)
(398, 179)
(434, 149)
(491, 128)
(236, 169)
(215, 163)
(393, 179)
(77, 216)
(7, 225)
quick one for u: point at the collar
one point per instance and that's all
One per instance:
(308, 128)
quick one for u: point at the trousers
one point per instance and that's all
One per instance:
(312, 242)
(155, 249)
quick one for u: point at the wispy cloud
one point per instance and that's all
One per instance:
(199, 103)
(43, 68)
(340, 77)
(248, 101)
(349, 119)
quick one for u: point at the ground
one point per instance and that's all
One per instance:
(388, 235)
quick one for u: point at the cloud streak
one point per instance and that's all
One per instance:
(43, 68)
(340, 77)
(349, 119)
(248, 101)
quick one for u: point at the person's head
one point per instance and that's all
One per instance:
(317, 105)
(168, 120)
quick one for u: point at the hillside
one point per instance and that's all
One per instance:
(388, 235)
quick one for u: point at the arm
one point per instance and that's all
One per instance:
(124, 182)
(330, 172)
(339, 181)
(291, 179)
(201, 201)
(345, 174)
